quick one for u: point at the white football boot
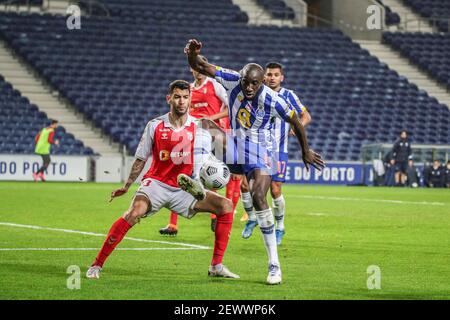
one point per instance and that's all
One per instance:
(221, 271)
(191, 186)
(93, 272)
(274, 276)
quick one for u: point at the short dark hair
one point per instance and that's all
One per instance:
(180, 84)
(275, 65)
(404, 132)
(53, 121)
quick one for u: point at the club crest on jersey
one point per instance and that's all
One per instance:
(260, 113)
(190, 136)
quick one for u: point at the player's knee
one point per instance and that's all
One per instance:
(225, 205)
(275, 191)
(133, 215)
(259, 200)
(244, 187)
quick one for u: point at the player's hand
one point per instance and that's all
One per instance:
(314, 159)
(118, 193)
(57, 142)
(193, 47)
(291, 132)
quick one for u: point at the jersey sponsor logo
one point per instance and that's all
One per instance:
(164, 155)
(244, 118)
(200, 105)
(180, 154)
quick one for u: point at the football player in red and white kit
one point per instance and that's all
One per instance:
(208, 100)
(172, 141)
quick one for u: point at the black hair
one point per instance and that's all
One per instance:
(53, 121)
(275, 65)
(180, 84)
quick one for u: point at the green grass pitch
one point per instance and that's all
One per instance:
(333, 234)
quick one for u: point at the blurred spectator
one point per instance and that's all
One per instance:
(44, 140)
(436, 175)
(389, 164)
(401, 152)
(447, 174)
(412, 174)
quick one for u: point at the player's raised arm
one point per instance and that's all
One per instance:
(192, 50)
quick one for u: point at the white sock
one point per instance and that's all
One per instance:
(279, 206)
(248, 205)
(267, 226)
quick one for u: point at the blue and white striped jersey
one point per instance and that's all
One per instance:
(280, 133)
(252, 120)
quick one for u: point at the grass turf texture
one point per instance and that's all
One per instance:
(332, 235)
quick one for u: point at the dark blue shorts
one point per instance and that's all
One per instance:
(401, 166)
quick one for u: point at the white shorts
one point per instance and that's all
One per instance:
(162, 195)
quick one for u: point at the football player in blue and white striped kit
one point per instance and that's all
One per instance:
(280, 132)
(252, 107)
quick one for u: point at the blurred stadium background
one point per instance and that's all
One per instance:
(105, 80)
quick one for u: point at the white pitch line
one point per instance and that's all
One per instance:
(425, 203)
(194, 246)
(92, 249)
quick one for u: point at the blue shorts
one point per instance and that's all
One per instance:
(281, 159)
(243, 157)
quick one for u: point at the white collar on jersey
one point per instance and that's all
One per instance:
(167, 123)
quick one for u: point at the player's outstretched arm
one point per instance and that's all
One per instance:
(136, 170)
(309, 156)
(192, 51)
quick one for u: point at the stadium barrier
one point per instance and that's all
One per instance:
(116, 169)
(19, 167)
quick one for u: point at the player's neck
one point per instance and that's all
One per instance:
(177, 121)
(277, 89)
(199, 82)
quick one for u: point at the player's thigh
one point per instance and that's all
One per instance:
(138, 208)
(214, 203)
(182, 203)
(156, 195)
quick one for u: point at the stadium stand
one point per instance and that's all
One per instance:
(391, 18)
(22, 2)
(278, 9)
(211, 11)
(438, 10)
(117, 70)
(20, 121)
(431, 52)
